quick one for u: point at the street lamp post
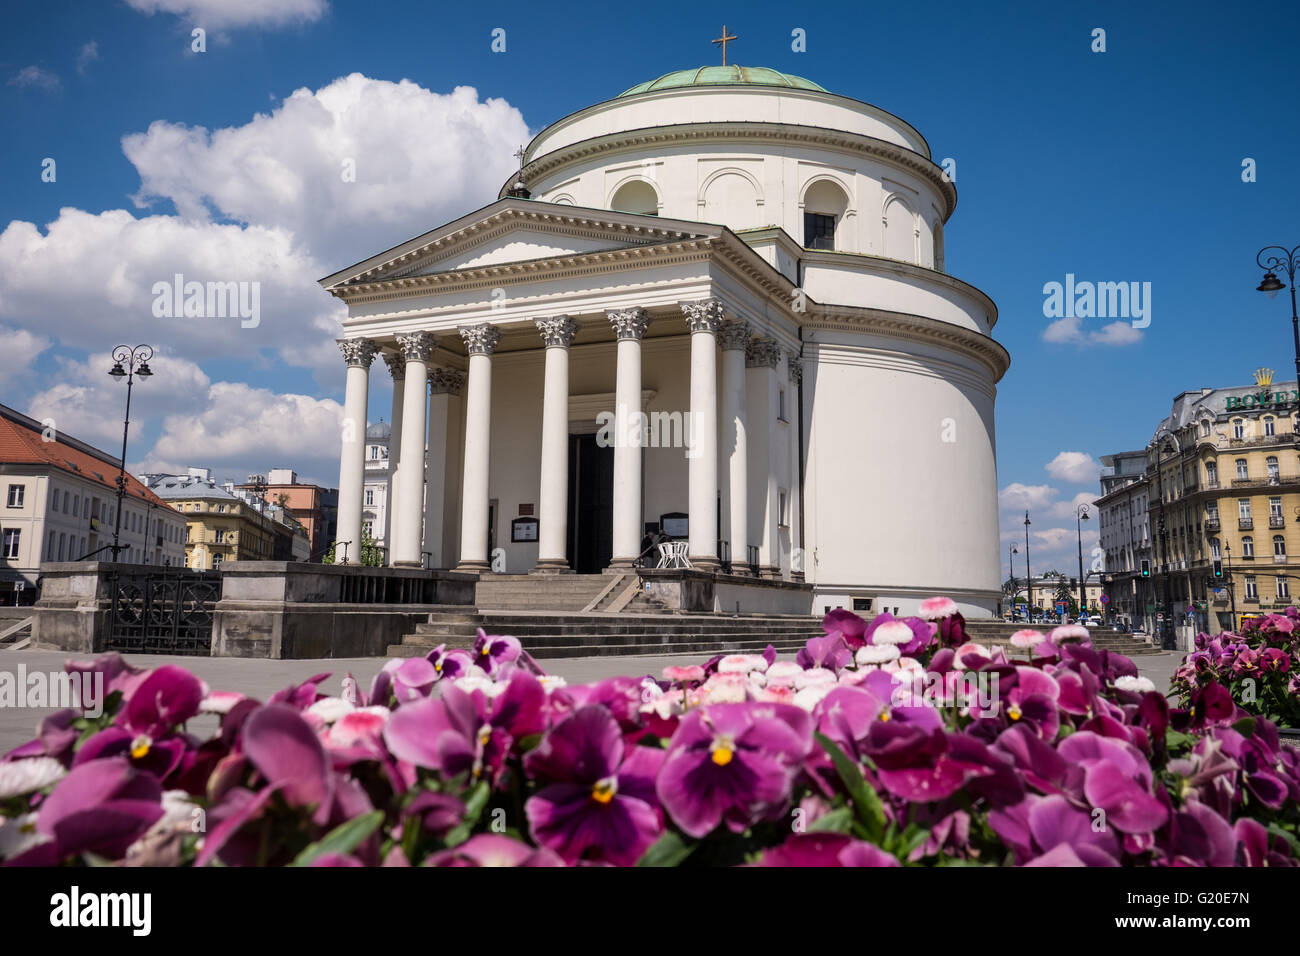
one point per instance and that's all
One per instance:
(1012, 551)
(1029, 575)
(136, 361)
(1080, 516)
(1166, 624)
(1232, 586)
(1288, 260)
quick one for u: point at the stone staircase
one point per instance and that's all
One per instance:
(999, 632)
(597, 633)
(564, 593)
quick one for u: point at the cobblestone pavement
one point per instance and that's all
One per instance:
(261, 678)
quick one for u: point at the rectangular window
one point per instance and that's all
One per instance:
(12, 537)
(818, 231)
(370, 497)
(1283, 588)
(1275, 507)
(780, 405)
(1268, 426)
(1243, 471)
(1243, 508)
(1251, 590)
(54, 501)
(16, 494)
(782, 519)
(1247, 547)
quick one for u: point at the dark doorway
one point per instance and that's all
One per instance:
(591, 505)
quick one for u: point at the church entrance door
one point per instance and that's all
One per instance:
(591, 505)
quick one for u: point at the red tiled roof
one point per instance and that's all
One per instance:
(25, 445)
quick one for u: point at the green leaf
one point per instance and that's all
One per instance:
(1245, 726)
(344, 838)
(839, 820)
(669, 850)
(865, 800)
(474, 805)
(1287, 835)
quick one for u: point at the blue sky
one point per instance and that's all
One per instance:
(1117, 166)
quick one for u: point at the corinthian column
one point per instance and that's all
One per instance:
(444, 383)
(408, 524)
(396, 363)
(553, 511)
(481, 341)
(358, 353)
(702, 318)
(733, 337)
(629, 326)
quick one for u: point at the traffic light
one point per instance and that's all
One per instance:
(1218, 569)
(1146, 568)
(1074, 584)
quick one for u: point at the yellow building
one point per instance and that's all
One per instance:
(220, 526)
(1224, 473)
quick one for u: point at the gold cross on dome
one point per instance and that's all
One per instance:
(723, 40)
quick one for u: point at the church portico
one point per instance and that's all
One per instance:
(737, 331)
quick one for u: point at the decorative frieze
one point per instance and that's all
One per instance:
(358, 352)
(480, 339)
(733, 334)
(629, 323)
(417, 346)
(557, 331)
(762, 353)
(703, 315)
(448, 381)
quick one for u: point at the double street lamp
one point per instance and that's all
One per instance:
(136, 362)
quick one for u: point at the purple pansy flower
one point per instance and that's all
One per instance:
(733, 763)
(598, 799)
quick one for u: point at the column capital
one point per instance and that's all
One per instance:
(416, 346)
(733, 334)
(480, 339)
(762, 353)
(396, 363)
(795, 366)
(703, 315)
(629, 323)
(446, 381)
(358, 352)
(557, 330)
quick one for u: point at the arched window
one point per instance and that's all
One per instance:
(1271, 462)
(1247, 547)
(1205, 429)
(1268, 425)
(1243, 470)
(1212, 473)
(900, 231)
(1279, 546)
(824, 205)
(1238, 428)
(638, 197)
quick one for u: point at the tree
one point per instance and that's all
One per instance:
(372, 556)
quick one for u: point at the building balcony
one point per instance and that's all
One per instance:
(1212, 484)
(1251, 599)
(1279, 559)
(1276, 521)
(1244, 482)
(1245, 524)
(1211, 525)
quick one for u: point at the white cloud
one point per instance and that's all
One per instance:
(1068, 509)
(1069, 331)
(36, 78)
(87, 403)
(1076, 467)
(88, 280)
(420, 159)
(239, 426)
(1017, 496)
(20, 348)
(88, 55)
(221, 14)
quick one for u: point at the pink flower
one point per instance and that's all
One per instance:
(684, 675)
(932, 609)
(1029, 638)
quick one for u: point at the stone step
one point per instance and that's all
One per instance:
(704, 648)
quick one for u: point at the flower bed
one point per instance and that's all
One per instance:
(893, 743)
(1260, 667)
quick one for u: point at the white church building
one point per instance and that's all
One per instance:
(714, 306)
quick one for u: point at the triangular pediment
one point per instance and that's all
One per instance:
(514, 230)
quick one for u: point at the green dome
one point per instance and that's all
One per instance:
(723, 76)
